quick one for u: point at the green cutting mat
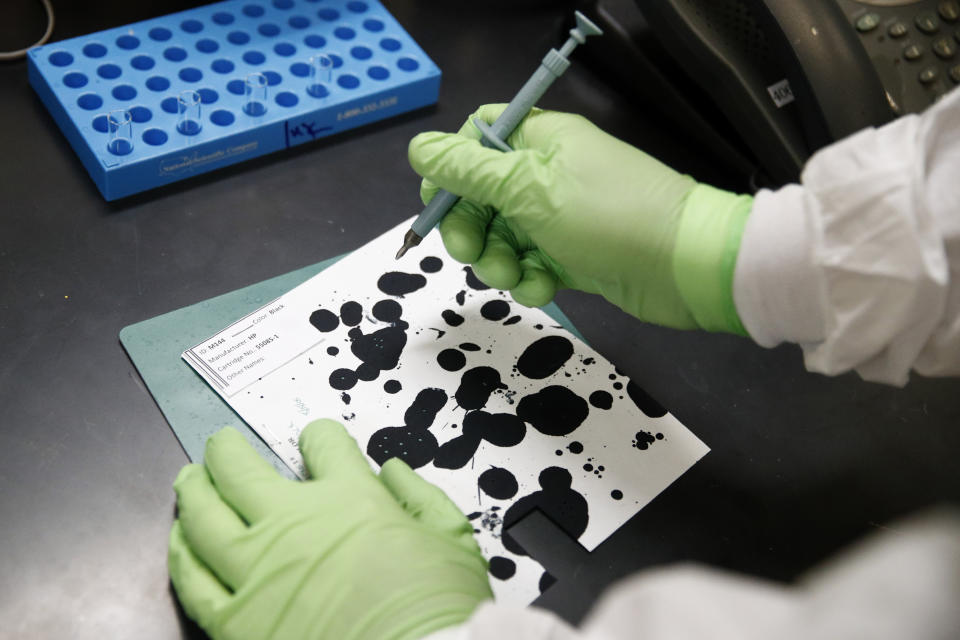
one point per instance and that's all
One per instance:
(193, 410)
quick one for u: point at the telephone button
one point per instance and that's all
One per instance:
(868, 22)
(898, 29)
(928, 75)
(913, 52)
(949, 10)
(955, 73)
(927, 22)
(944, 49)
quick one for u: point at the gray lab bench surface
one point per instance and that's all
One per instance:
(800, 464)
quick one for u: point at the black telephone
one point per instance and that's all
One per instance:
(765, 83)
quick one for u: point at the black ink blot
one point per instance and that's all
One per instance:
(397, 283)
(461, 297)
(601, 399)
(387, 311)
(451, 359)
(502, 568)
(431, 264)
(351, 313)
(544, 357)
(495, 310)
(392, 386)
(343, 379)
(643, 439)
(367, 372)
(412, 443)
(575, 447)
(616, 494)
(452, 318)
(473, 282)
(469, 346)
(345, 397)
(476, 385)
(650, 407)
(424, 409)
(498, 483)
(500, 429)
(332, 351)
(511, 320)
(324, 320)
(553, 411)
(557, 500)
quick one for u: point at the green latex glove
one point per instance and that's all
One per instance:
(572, 206)
(346, 555)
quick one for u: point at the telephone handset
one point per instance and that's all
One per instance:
(765, 83)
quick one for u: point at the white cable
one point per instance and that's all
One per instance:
(14, 55)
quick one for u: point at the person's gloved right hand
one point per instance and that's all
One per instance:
(572, 206)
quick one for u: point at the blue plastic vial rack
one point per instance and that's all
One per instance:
(154, 102)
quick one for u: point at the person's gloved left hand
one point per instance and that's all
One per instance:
(347, 554)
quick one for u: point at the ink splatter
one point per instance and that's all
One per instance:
(511, 320)
(575, 447)
(544, 357)
(399, 284)
(452, 318)
(502, 568)
(451, 359)
(382, 348)
(367, 372)
(473, 282)
(324, 320)
(643, 439)
(413, 443)
(499, 429)
(387, 311)
(351, 313)
(345, 397)
(495, 310)
(392, 386)
(490, 520)
(616, 494)
(461, 297)
(557, 500)
(553, 411)
(476, 385)
(343, 379)
(601, 399)
(498, 483)
(331, 351)
(431, 264)
(469, 346)
(650, 407)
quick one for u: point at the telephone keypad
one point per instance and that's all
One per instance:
(898, 29)
(913, 52)
(927, 22)
(928, 75)
(955, 73)
(949, 10)
(868, 22)
(944, 49)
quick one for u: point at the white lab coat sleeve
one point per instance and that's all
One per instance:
(905, 583)
(860, 264)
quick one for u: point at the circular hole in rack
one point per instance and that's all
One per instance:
(60, 59)
(124, 92)
(223, 18)
(390, 44)
(345, 33)
(109, 71)
(286, 99)
(372, 24)
(170, 105)
(408, 64)
(192, 26)
(160, 34)
(154, 137)
(318, 91)
(237, 87)
(94, 50)
(336, 60)
(100, 123)
(222, 65)
(361, 53)
(157, 83)
(208, 95)
(357, 7)
(378, 73)
(140, 114)
(75, 80)
(348, 81)
(89, 101)
(253, 11)
(284, 49)
(175, 54)
(128, 42)
(300, 69)
(328, 14)
(238, 37)
(190, 74)
(142, 63)
(299, 22)
(222, 117)
(206, 45)
(273, 78)
(254, 57)
(269, 30)
(315, 41)
(283, 4)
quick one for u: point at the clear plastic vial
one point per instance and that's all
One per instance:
(255, 87)
(321, 72)
(190, 122)
(120, 130)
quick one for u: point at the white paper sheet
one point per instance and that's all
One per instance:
(418, 359)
